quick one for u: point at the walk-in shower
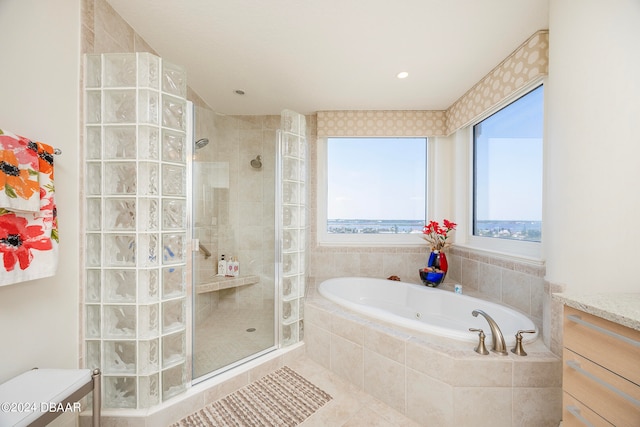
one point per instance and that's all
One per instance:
(162, 208)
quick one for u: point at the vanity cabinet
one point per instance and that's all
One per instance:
(601, 372)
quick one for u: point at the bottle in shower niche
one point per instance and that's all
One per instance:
(222, 266)
(233, 267)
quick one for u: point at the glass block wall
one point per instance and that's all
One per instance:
(293, 195)
(136, 149)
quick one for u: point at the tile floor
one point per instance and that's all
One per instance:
(230, 334)
(350, 406)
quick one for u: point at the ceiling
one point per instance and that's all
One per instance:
(320, 55)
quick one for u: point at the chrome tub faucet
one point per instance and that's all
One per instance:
(497, 339)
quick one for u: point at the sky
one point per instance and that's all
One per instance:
(375, 178)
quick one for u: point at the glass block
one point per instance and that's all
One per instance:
(290, 240)
(148, 356)
(174, 79)
(94, 250)
(174, 214)
(289, 334)
(173, 146)
(148, 250)
(174, 281)
(94, 178)
(120, 286)
(120, 178)
(290, 169)
(92, 293)
(174, 248)
(290, 145)
(120, 250)
(92, 359)
(289, 121)
(173, 316)
(94, 214)
(120, 214)
(302, 193)
(148, 141)
(93, 100)
(302, 240)
(174, 381)
(301, 329)
(94, 142)
(173, 349)
(289, 192)
(290, 216)
(148, 285)
(93, 71)
(290, 311)
(120, 142)
(119, 357)
(148, 321)
(148, 214)
(120, 70)
(119, 392)
(173, 180)
(93, 321)
(119, 321)
(148, 109)
(149, 388)
(148, 178)
(290, 263)
(148, 70)
(303, 149)
(119, 106)
(289, 287)
(174, 113)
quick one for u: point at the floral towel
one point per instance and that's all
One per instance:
(28, 238)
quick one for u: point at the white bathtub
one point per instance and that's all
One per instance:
(425, 309)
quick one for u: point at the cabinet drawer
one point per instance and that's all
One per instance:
(613, 397)
(575, 414)
(608, 344)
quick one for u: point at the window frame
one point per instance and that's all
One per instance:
(517, 249)
(358, 240)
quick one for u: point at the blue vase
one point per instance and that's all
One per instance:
(436, 270)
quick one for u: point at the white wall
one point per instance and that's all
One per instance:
(39, 87)
(592, 223)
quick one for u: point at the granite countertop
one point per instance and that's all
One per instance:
(621, 308)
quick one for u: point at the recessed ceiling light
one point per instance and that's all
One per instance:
(239, 92)
(403, 75)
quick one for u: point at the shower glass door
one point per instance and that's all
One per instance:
(234, 312)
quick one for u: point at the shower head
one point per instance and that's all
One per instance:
(201, 143)
(257, 162)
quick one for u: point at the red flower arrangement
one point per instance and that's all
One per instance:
(437, 235)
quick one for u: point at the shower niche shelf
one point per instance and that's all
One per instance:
(219, 282)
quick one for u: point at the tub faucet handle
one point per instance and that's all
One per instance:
(481, 348)
(518, 349)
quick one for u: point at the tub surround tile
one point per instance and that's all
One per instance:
(384, 379)
(484, 406)
(429, 401)
(347, 360)
(532, 407)
(427, 377)
(318, 342)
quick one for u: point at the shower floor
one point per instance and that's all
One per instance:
(231, 334)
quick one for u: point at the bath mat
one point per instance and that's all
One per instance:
(282, 398)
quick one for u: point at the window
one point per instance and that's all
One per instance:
(507, 175)
(374, 190)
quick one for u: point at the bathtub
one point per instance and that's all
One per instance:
(425, 309)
